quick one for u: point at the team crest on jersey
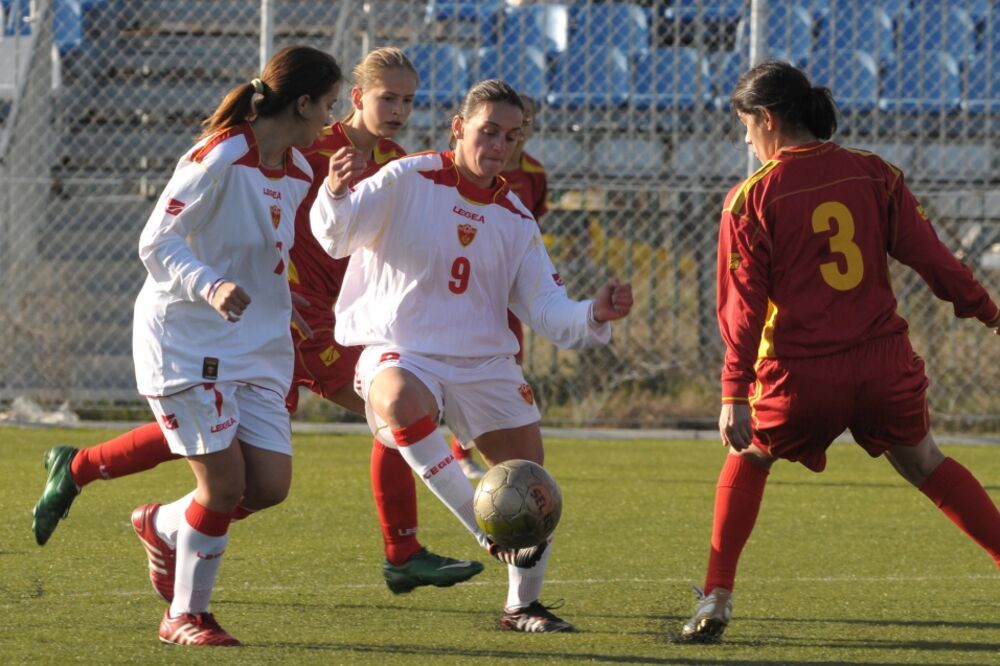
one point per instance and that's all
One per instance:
(174, 207)
(466, 234)
(276, 216)
(526, 393)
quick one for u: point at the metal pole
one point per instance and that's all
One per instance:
(266, 33)
(758, 51)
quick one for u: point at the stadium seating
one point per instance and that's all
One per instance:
(725, 69)
(462, 10)
(594, 78)
(444, 74)
(545, 27)
(855, 25)
(525, 69)
(719, 11)
(922, 82)
(671, 78)
(853, 77)
(934, 26)
(609, 25)
(982, 85)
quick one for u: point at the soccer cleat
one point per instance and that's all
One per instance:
(162, 558)
(710, 617)
(534, 618)
(471, 469)
(194, 629)
(58, 495)
(524, 558)
(426, 568)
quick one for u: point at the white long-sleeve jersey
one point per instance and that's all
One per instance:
(221, 217)
(436, 262)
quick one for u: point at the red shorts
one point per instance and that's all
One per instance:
(321, 364)
(877, 390)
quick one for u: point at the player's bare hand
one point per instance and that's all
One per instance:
(346, 165)
(300, 301)
(230, 301)
(613, 301)
(735, 426)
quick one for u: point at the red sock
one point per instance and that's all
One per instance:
(241, 512)
(457, 450)
(961, 497)
(737, 502)
(136, 451)
(396, 500)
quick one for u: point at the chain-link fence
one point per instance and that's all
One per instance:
(98, 98)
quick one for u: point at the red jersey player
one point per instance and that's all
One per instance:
(814, 344)
(382, 98)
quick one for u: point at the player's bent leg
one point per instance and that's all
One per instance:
(953, 489)
(57, 496)
(711, 617)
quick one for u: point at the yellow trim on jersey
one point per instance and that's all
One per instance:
(744, 190)
(293, 273)
(528, 166)
(728, 398)
(766, 349)
(384, 157)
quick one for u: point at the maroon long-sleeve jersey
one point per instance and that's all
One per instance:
(803, 259)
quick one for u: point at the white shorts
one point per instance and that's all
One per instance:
(474, 396)
(207, 417)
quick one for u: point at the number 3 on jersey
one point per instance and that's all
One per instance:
(461, 269)
(841, 242)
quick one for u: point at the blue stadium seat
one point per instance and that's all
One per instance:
(462, 10)
(789, 34)
(524, 69)
(725, 69)
(922, 82)
(590, 78)
(982, 85)
(67, 24)
(545, 27)
(856, 24)
(672, 78)
(444, 73)
(719, 11)
(853, 77)
(612, 24)
(937, 26)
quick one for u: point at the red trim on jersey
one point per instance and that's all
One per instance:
(414, 432)
(449, 176)
(219, 137)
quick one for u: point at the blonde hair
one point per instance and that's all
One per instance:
(368, 72)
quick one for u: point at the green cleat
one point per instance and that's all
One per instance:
(426, 568)
(59, 493)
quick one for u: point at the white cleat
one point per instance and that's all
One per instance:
(710, 618)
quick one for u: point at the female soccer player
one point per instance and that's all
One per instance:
(382, 98)
(526, 178)
(814, 344)
(211, 345)
(440, 250)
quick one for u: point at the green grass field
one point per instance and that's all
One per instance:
(848, 567)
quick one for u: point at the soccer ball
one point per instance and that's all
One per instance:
(517, 504)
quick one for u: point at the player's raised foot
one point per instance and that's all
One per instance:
(533, 618)
(472, 470)
(426, 568)
(711, 616)
(58, 495)
(162, 558)
(524, 558)
(194, 629)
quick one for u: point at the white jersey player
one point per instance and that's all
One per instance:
(440, 249)
(212, 347)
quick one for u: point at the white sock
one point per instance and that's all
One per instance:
(198, 558)
(169, 517)
(447, 482)
(525, 585)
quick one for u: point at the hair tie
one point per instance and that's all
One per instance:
(258, 86)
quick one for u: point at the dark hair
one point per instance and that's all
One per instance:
(292, 72)
(490, 90)
(785, 91)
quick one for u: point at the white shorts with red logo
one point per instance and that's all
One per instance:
(474, 395)
(207, 417)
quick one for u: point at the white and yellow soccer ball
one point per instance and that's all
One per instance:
(517, 504)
